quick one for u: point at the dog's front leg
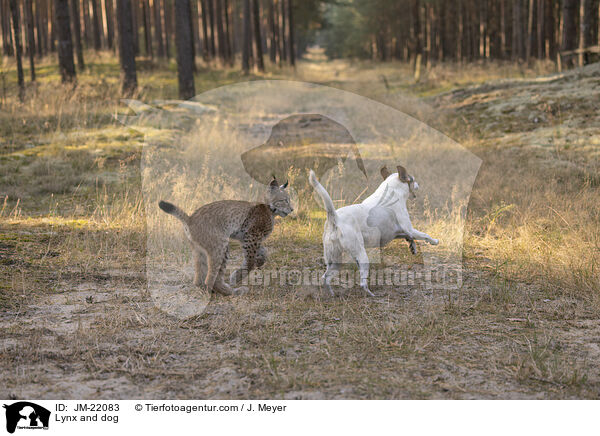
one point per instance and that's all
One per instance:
(415, 234)
(411, 242)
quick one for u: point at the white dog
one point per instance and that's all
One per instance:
(376, 221)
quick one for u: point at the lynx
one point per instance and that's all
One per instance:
(210, 228)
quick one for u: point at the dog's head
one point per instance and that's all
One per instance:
(401, 180)
(279, 199)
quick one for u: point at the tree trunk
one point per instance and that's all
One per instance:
(228, 38)
(126, 47)
(147, 28)
(195, 26)
(483, 26)
(291, 30)
(211, 20)
(30, 37)
(272, 33)
(260, 64)
(595, 23)
(549, 28)
(160, 46)
(448, 34)
(220, 31)
(434, 46)
(183, 43)
(45, 25)
(96, 25)
(135, 21)
(277, 36)
(5, 12)
(502, 13)
(529, 40)
(87, 23)
(589, 28)
(65, 43)
(205, 47)
(569, 35)
(52, 23)
(77, 32)
(459, 31)
(14, 10)
(541, 46)
(246, 38)
(195, 35)
(517, 30)
(167, 27)
(38, 26)
(417, 27)
(110, 31)
(282, 18)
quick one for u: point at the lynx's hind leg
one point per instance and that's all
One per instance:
(217, 259)
(200, 265)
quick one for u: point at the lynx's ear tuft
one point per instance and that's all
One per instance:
(384, 172)
(285, 185)
(402, 174)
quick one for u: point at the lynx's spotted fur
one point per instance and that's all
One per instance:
(211, 226)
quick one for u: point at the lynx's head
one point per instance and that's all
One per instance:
(278, 199)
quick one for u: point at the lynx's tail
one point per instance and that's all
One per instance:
(171, 209)
(329, 207)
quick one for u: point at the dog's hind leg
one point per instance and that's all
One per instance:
(362, 260)
(333, 257)
(332, 268)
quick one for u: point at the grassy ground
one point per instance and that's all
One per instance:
(78, 322)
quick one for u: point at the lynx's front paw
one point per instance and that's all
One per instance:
(242, 290)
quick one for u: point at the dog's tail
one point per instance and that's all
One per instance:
(331, 213)
(171, 209)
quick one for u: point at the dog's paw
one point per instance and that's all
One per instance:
(368, 291)
(413, 247)
(434, 241)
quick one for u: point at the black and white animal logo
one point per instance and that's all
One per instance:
(26, 415)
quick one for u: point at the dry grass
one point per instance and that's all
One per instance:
(78, 321)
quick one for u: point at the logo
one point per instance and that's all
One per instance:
(26, 415)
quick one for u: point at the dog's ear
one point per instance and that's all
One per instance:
(384, 172)
(402, 174)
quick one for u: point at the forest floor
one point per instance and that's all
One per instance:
(77, 321)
